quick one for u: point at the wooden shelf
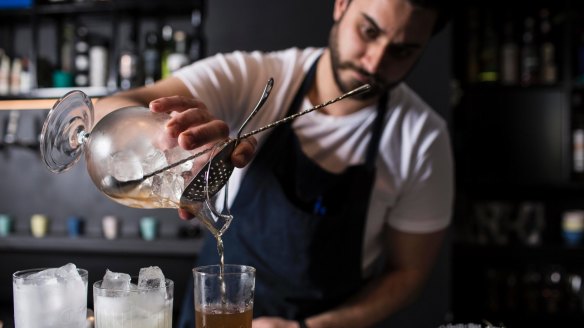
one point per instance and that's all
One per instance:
(45, 98)
(160, 247)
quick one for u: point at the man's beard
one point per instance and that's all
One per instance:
(378, 84)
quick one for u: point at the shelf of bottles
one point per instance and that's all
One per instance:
(511, 47)
(98, 46)
(520, 261)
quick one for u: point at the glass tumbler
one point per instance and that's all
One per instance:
(224, 299)
(45, 299)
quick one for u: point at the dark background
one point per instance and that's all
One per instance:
(27, 187)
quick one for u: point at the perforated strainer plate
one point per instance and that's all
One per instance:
(218, 175)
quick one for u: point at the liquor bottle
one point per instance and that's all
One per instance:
(179, 57)
(489, 54)
(549, 71)
(167, 48)
(530, 62)
(151, 58)
(67, 50)
(196, 47)
(98, 62)
(129, 66)
(509, 54)
(472, 41)
(580, 60)
(81, 57)
(577, 137)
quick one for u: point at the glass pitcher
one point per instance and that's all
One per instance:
(127, 145)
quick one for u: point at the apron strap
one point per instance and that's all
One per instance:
(373, 146)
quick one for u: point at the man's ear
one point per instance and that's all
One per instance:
(340, 8)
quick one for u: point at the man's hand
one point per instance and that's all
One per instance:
(194, 126)
(273, 322)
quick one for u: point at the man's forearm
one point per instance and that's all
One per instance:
(381, 298)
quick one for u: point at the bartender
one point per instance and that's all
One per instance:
(343, 211)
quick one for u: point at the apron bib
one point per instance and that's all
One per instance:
(300, 226)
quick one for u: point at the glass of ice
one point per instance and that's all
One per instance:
(50, 297)
(121, 300)
(224, 298)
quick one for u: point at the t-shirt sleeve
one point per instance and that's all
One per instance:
(425, 201)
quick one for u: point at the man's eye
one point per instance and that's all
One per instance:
(369, 33)
(400, 52)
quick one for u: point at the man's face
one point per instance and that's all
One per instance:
(377, 42)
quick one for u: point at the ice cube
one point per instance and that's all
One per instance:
(125, 166)
(171, 186)
(45, 277)
(116, 281)
(68, 272)
(151, 278)
(176, 154)
(153, 160)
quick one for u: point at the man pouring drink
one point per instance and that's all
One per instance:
(341, 212)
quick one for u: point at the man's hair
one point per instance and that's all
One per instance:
(442, 7)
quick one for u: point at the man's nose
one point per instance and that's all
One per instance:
(374, 58)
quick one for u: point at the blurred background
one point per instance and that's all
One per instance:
(508, 77)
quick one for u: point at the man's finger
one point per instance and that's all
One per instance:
(244, 152)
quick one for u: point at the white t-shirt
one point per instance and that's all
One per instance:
(413, 191)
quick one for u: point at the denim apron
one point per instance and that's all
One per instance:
(300, 226)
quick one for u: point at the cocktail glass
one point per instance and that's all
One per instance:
(137, 307)
(50, 298)
(224, 298)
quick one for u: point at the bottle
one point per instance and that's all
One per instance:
(580, 60)
(472, 56)
(67, 50)
(15, 73)
(81, 57)
(197, 39)
(179, 57)
(151, 59)
(4, 74)
(25, 83)
(577, 137)
(529, 53)
(129, 66)
(549, 71)
(489, 61)
(167, 48)
(509, 54)
(98, 67)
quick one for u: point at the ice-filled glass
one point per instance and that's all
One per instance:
(121, 300)
(224, 299)
(50, 297)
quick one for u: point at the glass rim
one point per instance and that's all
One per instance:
(244, 269)
(22, 274)
(97, 285)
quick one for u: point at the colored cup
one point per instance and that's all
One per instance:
(75, 226)
(110, 227)
(39, 225)
(148, 228)
(573, 227)
(5, 225)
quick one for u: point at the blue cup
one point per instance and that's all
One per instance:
(74, 227)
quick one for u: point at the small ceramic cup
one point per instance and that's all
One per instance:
(149, 228)
(110, 227)
(5, 225)
(39, 225)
